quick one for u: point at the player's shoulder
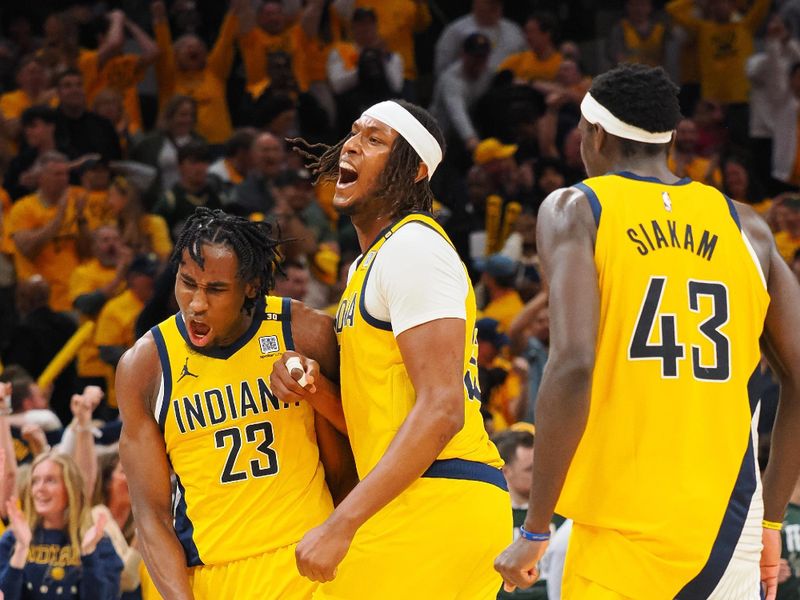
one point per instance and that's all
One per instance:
(568, 206)
(139, 371)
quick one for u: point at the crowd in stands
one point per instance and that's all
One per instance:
(118, 118)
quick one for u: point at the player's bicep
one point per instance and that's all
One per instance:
(566, 251)
(142, 448)
(336, 457)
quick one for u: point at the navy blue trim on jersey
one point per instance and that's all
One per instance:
(362, 307)
(634, 176)
(458, 468)
(166, 374)
(730, 530)
(594, 201)
(734, 212)
(184, 529)
(225, 352)
(286, 322)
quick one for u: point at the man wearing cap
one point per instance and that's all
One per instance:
(459, 87)
(431, 503)
(662, 294)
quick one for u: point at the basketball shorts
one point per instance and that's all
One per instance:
(269, 576)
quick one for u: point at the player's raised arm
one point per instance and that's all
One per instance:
(144, 459)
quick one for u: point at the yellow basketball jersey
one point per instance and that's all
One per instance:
(377, 393)
(249, 478)
(667, 458)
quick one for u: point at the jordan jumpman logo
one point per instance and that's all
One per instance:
(186, 371)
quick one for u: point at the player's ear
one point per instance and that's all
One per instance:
(251, 288)
(422, 172)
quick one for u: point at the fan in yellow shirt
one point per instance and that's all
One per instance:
(49, 229)
(499, 274)
(32, 81)
(543, 59)
(143, 232)
(117, 71)
(187, 68)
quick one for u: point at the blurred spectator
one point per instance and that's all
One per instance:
(572, 156)
(108, 103)
(142, 232)
(684, 160)
(712, 132)
(254, 194)
(568, 87)
(78, 130)
(638, 37)
(38, 125)
(780, 53)
(505, 37)
(739, 183)
(49, 229)
(542, 59)
(189, 69)
(38, 337)
(297, 189)
(498, 161)
(112, 497)
(91, 285)
(61, 50)
(530, 338)
(521, 246)
(724, 42)
(398, 22)
(95, 179)
(293, 282)
(502, 382)
(270, 30)
(34, 427)
(192, 190)
(115, 331)
(363, 72)
(109, 68)
(499, 274)
(55, 525)
(516, 450)
(231, 169)
(33, 90)
(788, 238)
(159, 148)
(457, 90)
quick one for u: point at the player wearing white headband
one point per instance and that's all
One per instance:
(432, 508)
(660, 291)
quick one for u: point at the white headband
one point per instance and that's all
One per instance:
(414, 132)
(596, 113)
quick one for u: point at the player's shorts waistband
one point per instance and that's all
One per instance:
(458, 468)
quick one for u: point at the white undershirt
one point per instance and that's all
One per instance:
(416, 277)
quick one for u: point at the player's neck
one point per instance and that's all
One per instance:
(237, 332)
(645, 167)
(368, 227)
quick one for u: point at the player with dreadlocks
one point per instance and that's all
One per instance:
(196, 398)
(663, 293)
(432, 504)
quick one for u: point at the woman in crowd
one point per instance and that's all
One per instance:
(142, 232)
(52, 548)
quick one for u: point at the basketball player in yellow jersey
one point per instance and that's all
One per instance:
(195, 397)
(432, 505)
(660, 291)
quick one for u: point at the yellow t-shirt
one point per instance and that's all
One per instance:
(155, 229)
(311, 64)
(504, 309)
(208, 87)
(647, 50)
(257, 44)
(528, 67)
(398, 21)
(87, 278)
(698, 170)
(59, 257)
(116, 326)
(6, 245)
(13, 104)
(722, 49)
(787, 245)
(122, 74)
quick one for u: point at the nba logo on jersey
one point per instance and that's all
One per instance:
(269, 344)
(667, 202)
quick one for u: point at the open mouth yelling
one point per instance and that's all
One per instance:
(198, 332)
(347, 176)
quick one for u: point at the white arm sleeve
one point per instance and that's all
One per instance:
(417, 277)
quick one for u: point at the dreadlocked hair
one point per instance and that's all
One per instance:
(640, 96)
(253, 242)
(397, 183)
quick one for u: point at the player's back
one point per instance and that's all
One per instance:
(667, 457)
(249, 478)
